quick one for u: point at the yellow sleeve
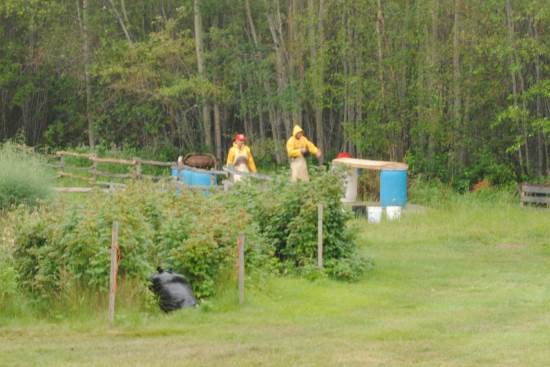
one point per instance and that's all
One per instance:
(231, 157)
(311, 147)
(251, 164)
(292, 152)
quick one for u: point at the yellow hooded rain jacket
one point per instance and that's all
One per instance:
(235, 152)
(294, 146)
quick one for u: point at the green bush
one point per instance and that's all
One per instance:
(58, 248)
(286, 214)
(24, 179)
(429, 192)
(434, 193)
(8, 279)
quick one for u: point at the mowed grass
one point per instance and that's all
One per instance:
(467, 284)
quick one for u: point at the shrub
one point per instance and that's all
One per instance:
(8, 279)
(23, 177)
(59, 247)
(286, 214)
(430, 192)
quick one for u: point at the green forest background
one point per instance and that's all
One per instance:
(459, 89)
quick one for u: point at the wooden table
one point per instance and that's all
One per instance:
(369, 164)
(350, 194)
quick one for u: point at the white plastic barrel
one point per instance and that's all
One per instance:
(374, 214)
(393, 212)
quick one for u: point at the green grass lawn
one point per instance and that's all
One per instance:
(465, 285)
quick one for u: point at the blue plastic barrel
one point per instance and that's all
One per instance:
(202, 179)
(186, 176)
(393, 188)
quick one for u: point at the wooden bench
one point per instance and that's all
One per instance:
(535, 194)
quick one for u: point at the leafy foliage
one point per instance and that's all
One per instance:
(24, 179)
(461, 98)
(58, 246)
(8, 279)
(287, 216)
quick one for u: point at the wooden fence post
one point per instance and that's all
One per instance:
(62, 165)
(137, 168)
(114, 272)
(240, 249)
(94, 168)
(320, 235)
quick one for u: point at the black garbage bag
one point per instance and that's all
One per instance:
(173, 290)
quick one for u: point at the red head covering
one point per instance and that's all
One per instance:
(343, 155)
(240, 137)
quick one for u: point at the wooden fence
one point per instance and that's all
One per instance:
(91, 173)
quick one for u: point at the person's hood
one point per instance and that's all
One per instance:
(297, 129)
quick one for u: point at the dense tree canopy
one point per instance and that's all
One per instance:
(460, 89)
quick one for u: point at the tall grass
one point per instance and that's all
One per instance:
(435, 194)
(24, 179)
(461, 284)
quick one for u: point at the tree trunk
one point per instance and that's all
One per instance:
(250, 22)
(83, 22)
(540, 134)
(206, 118)
(3, 106)
(262, 81)
(124, 12)
(317, 43)
(457, 98)
(433, 86)
(380, 52)
(513, 59)
(218, 131)
(261, 123)
(275, 27)
(275, 131)
(120, 20)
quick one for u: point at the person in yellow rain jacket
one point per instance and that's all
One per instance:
(240, 157)
(297, 147)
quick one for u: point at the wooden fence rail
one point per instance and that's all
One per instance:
(135, 164)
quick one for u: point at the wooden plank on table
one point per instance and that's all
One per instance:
(370, 164)
(538, 189)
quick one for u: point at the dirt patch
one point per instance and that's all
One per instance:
(511, 245)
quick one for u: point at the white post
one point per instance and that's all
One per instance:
(351, 183)
(114, 272)
(240, 249)
(320, 235)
